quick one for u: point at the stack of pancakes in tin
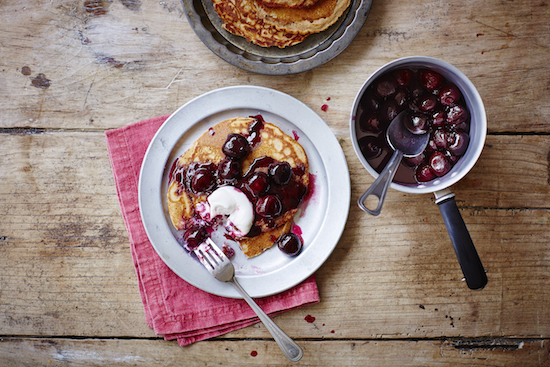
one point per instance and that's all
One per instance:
(278, 23)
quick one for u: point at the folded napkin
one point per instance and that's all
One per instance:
(174, 308)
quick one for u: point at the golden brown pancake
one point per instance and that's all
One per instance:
(207, 148)
(314, 19)
(288, 3)
(239, 17)
(280, 26)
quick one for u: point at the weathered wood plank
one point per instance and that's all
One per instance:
(380, 353)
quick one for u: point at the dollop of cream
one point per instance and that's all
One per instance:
(230, 201)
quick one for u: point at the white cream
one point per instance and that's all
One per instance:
(230, 201)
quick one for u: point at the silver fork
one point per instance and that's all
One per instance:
(215, 261)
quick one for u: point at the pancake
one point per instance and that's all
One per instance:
(280, 26)
(288, 3)
(239, 17)
(272, 145)
(314, 19)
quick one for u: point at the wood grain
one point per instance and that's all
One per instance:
(391, 292)
(382, 353)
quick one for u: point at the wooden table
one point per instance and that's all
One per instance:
(391, 292)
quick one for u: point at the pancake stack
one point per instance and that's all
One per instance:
(207, 149)
(278, 23)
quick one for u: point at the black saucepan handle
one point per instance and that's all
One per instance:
(469, 261)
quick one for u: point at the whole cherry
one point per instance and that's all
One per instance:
(449, 94)
(430, 79)
(203, 180)
(369, 122)
(269, 206)
(290, 244)
(424, 173)
(440, 164)
(458, 142)
(370, 147)
(236, 146)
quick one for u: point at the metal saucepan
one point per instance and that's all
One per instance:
(466, 253)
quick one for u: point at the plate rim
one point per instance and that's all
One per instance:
(159, 232)
(334, 43)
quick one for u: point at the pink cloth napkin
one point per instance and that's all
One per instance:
(174, 308)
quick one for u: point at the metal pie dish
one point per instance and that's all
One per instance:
(317, 49)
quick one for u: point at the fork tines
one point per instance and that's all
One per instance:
(210, 255)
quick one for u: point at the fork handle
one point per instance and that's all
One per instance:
(289, 347)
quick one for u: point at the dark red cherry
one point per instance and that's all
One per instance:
(402, 77)
(370, 101)
(280, 173)
(258, 184)
(294, 193)
(458, 142)
(438, 118)
(416, 88)
(290, 244)
(388, 111)
(449, 94)
(441, 138)
(430, 79)
(386, 86)
(440, 164)
(203, 180)
(416, 123)
(269, 206)
(229, 169)
(432, 146)
(424, 173)
(370, 147)
(463, 126)
(401, 97)
(451, 157)
(369, 122)
(414, 161)
(457, 114)
(236, 146)
(427, 102)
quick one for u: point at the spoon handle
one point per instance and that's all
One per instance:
(289, 347)
(380, 187)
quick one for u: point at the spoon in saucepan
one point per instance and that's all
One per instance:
(405, 144)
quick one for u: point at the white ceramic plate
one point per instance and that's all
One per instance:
(322, 221)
